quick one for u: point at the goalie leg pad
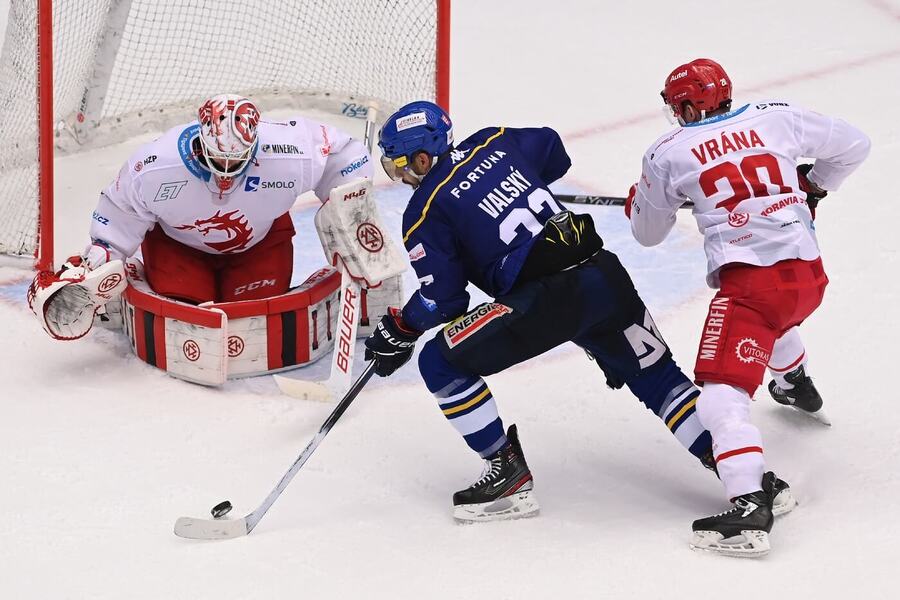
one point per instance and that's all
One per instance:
(211, 343)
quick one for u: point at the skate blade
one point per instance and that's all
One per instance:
(515, 506)
(751, 543)
(820, 415)
(784, 503)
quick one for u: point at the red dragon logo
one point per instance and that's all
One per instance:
(235, 226)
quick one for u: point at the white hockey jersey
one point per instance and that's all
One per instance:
(164, 184)
(739, 168)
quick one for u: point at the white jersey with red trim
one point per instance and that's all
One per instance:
(165, 184)
(739, 168)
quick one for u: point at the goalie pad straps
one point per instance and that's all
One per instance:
(65, 302)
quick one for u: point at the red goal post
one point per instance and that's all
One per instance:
(81, 74)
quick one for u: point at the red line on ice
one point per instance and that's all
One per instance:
(780, 81)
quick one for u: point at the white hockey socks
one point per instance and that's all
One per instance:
(788, 353)
(737, 444)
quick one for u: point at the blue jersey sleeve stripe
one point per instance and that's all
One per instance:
(444, 182)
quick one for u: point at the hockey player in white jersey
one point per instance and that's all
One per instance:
(755, 208)
(207, 202)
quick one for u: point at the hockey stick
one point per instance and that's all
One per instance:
(223, 529)
(601, 200)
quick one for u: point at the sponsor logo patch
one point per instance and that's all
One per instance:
(712, 329)
(191, 350)
(369, 237)
(462, 328)
(100, 218)
(772, 208)
(458, 155)
(249, 287)
(354, 166)
(412, 120)
(357, 194)
(109, 282)
(280, 149)
(235, 346)
(169, 190)
(748, 351)
(742, 238)
(765, 105)
(253, 184)
(354, 111)
(417, 253)
(325, 150)
(738, 219)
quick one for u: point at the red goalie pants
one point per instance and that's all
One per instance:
(178, 271)
(754, 307)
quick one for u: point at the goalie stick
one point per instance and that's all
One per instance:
(601, 200)
(348, 322)
(223, 529)
(342, 359)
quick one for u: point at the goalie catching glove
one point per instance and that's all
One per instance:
(391, 344)
(65, 302)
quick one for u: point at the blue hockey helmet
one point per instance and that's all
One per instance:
(419, 126)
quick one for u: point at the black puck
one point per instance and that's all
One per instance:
(221, 509)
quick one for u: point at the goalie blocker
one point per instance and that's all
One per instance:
(211, 343)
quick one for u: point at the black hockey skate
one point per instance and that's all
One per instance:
(803, 396)
(742, 531)
(784, 501)
(504, 490)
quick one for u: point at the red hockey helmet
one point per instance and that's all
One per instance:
(702, 82)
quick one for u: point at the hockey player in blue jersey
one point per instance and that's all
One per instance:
(481, 213)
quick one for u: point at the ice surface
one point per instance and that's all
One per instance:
(99, 453)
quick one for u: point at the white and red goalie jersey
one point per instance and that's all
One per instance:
(739, 168)
(164, 184)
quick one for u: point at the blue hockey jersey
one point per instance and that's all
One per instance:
(475, 216)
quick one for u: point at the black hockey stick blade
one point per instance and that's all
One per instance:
(601, 200)
(223, 529)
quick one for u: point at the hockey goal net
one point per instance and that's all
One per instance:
(123, 67)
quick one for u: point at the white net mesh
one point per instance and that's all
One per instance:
(123, 67)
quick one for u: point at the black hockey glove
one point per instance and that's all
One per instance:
(391, 344)
(568, 239)
(813, 192)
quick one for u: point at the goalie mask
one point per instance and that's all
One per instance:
(227, 138)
